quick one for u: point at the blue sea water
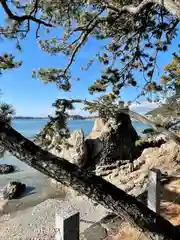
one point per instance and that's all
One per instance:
(29, 128)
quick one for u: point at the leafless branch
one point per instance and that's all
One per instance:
(37, 30)
(35, 8)
(24, 17)
(83, 38)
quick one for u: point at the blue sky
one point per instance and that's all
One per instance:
(30, 97)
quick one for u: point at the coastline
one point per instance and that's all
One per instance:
(38, 187)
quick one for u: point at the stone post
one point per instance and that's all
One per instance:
(154, 192)
(67, 225)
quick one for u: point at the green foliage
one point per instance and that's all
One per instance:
(7, 62)
(57, 125)
(106, 106)
(141, 142)
(171, 76)
(149, 132)
(54, 75)
(170, 80)
(6, 112)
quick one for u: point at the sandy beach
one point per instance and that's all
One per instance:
(38, 188)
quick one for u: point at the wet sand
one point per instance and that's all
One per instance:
(38, 188)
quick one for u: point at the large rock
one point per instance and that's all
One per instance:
(98, 125)
(93, 142)
(111, 141)
(165, 158)
(13, 190)
(74, 149)
(5, 168)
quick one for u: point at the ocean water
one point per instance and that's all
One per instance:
(29, 128)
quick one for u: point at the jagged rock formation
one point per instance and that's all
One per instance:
(109, 145)
(72, 146)
(166, 158)
(112, 141)
(73, 149)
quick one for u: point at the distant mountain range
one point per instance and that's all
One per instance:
(163, 110)
(79, 117)
(27, 118)
(72, 117)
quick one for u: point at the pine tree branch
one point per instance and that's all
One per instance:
(84, 35)
(170, 6)
(24, 17)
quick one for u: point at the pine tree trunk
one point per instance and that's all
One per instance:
(86, 183)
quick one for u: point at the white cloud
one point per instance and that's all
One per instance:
(79, 111)
(143, 107)
(37, 110)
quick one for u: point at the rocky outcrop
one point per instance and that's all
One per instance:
(117, 171)
(108, 142)
(142, 144)
(98, 125)
(13, 190)
(5, 168)
(111, 141)
(165, 158)
(107, 145)
(93, 142)
(73, 149)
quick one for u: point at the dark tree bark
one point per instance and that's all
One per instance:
(86, 183)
